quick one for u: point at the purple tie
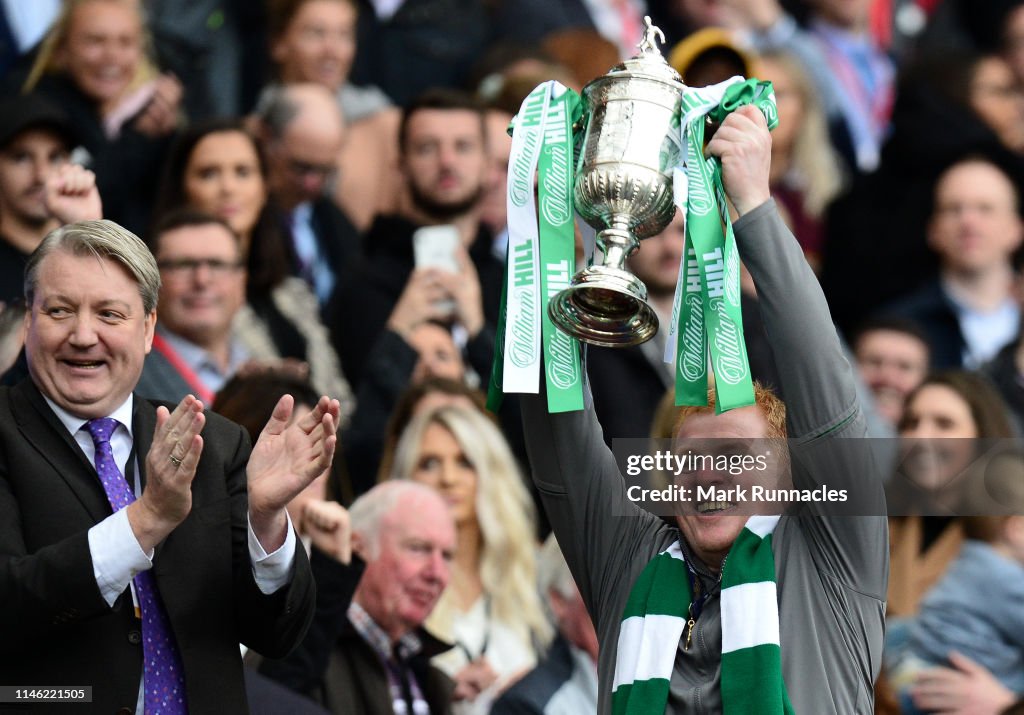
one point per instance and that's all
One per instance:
(164, 675)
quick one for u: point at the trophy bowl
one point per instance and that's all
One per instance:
(623, 189)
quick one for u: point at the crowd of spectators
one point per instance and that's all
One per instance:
(282, 159)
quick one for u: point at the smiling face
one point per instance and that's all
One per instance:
(711, 528)
(319, 44)
(103, 49)
(87, 333)
(223, 178)
(412, 564)
(442, 465)
(891, 363)
(203, 282)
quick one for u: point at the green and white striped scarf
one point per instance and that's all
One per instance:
(656, 614)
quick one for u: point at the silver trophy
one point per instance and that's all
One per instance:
(624, 190)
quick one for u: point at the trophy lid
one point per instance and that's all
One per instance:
(649, 61)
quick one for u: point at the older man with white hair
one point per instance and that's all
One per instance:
(367, 650)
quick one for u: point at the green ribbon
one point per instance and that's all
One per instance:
(708, 302)
(561, 353)
(562, 368)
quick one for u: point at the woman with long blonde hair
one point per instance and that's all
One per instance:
(491, 609)
(96, 62)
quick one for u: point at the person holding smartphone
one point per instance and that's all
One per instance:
(433, 260)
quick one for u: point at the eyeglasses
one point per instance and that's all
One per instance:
(189, 266)
(304, 169)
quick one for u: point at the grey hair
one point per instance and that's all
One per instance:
(103, 239)
(552, 570)
(367, 513)
(276, 109)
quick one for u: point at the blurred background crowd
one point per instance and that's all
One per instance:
(281, 158)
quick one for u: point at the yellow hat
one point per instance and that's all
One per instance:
(695, 45)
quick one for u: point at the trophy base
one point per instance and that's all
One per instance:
(606, 307)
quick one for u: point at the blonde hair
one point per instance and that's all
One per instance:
(815, 167)
(504, 512)
(47, 60)
(104, 239)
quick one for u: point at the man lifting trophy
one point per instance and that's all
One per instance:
(716, 608)
(636, 139)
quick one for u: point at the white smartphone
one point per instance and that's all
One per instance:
(435, 247)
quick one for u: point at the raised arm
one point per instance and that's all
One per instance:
(815, 378)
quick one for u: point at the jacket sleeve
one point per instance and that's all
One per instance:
(303, 670)
(272, 624)
(818, 387)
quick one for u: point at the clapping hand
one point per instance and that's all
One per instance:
(286, 458)
(170, 468)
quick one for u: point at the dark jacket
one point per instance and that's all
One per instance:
(337, 668)
(931, 309)
(552, 688)
(56, 626)
(371, 287)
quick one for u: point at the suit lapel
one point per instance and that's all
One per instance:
(143, 426)
(41, 428)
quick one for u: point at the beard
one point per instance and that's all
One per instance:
(444, 211)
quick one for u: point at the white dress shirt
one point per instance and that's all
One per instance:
(116, 554)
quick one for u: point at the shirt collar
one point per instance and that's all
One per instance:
(195, 357)
(303, 212)
(72, 424)
(409, 644)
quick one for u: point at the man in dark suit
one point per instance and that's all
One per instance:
(302, 132)
(139, 545)
(969, 311)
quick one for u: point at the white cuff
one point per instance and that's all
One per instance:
(116, 555)
(272, 571)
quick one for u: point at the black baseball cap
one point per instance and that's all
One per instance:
(32, 111)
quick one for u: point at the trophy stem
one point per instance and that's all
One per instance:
(617, 243)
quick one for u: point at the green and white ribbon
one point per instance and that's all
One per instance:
(523, 306)
(706, 315)
(541, 258)
(654, 622)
